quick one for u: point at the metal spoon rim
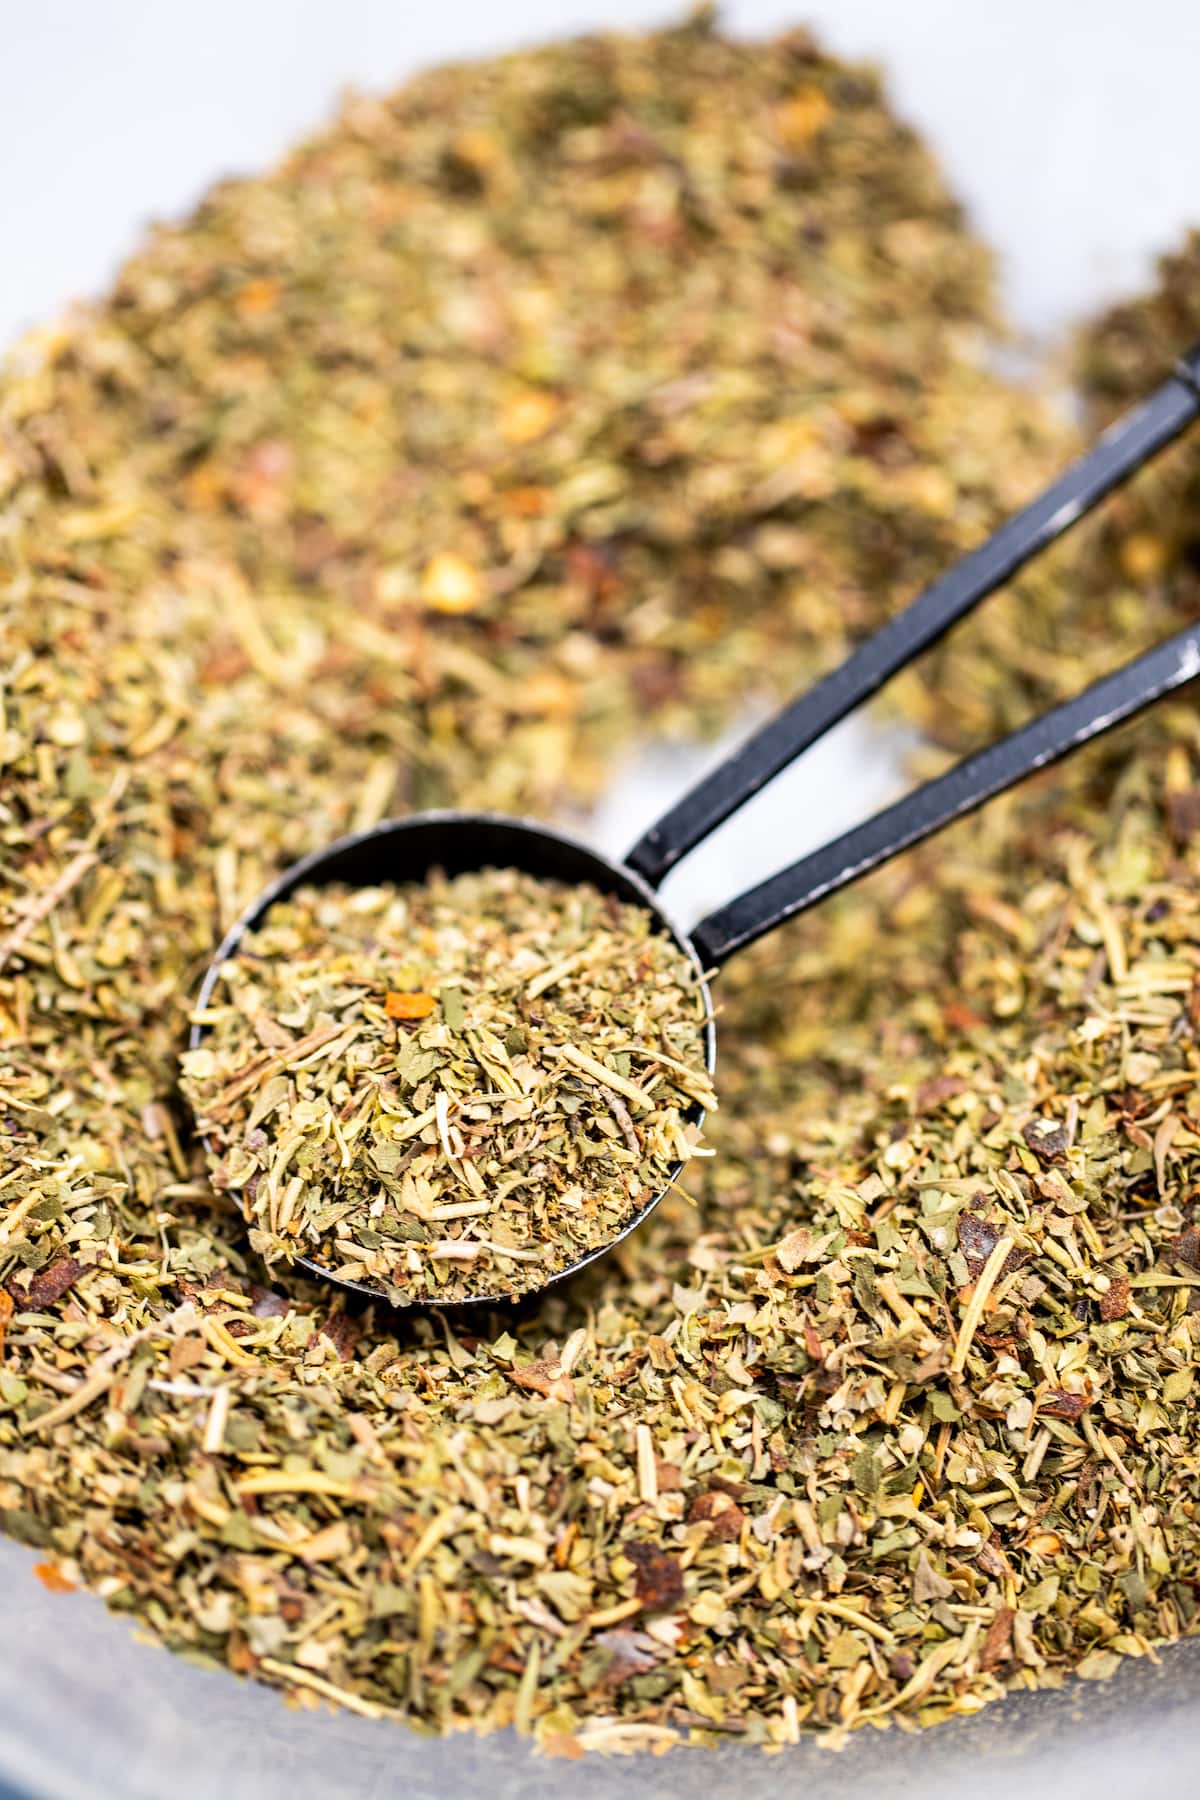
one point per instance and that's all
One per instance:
(609, 875)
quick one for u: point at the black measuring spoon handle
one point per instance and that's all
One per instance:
(920, 814)
(1131, 441)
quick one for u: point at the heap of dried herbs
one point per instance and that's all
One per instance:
(452, 1089)
(378, 485)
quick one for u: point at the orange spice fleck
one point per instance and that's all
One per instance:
(408, 1006)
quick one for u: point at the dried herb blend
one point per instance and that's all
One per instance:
(376, 485)
(452, 1088)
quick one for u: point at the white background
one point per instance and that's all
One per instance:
(1070, 126)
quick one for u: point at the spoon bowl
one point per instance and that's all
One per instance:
(409, 850)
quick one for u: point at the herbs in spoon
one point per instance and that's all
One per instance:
(454, 1088)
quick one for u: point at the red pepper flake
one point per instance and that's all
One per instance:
(658, 1581)
(53, 1578)
(1187, 1247)
(545, 1378)
(1087, 1487)
(291, 1606)
(7, 1310)
(1115, 1303)
(594, 566)
(241, 1658)
(225, 663)
(408, 1006)
(997, 1643)
(564, 1746)
(1056, 1403)
(1048, 1140)
(977, 1238)
(49, 1284)
(257, 297)
(343, 1332)
(723, 1516)
(935, 1093)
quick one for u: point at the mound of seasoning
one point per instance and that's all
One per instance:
(376, 484)
(452, 1089)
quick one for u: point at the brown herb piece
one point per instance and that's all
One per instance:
(48, 1285)
(658, 1578)
(1056, 1403)
(997, 1641)
(1114, 1303)
(723, 1516)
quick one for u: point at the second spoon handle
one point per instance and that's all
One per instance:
(1131, 441)
(926, 810)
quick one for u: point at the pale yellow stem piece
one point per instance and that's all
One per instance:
(226, 1346)
(415, 1125)
(836, 1610)
(461, 1209)
(555, 973)
(218, 1418)
(366, 1709)
(697, 1077)
(432, 1536)
(989, 1275)
(13, 1219)
(508, 1250)
(612, 1615)
(526, 1690)
(588, 1065)
(905, 1312)
(1104, 1446)
(647, 1470)
(306, 1481)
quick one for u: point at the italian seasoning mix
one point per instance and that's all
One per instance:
(375, 486)
(452, 1089)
